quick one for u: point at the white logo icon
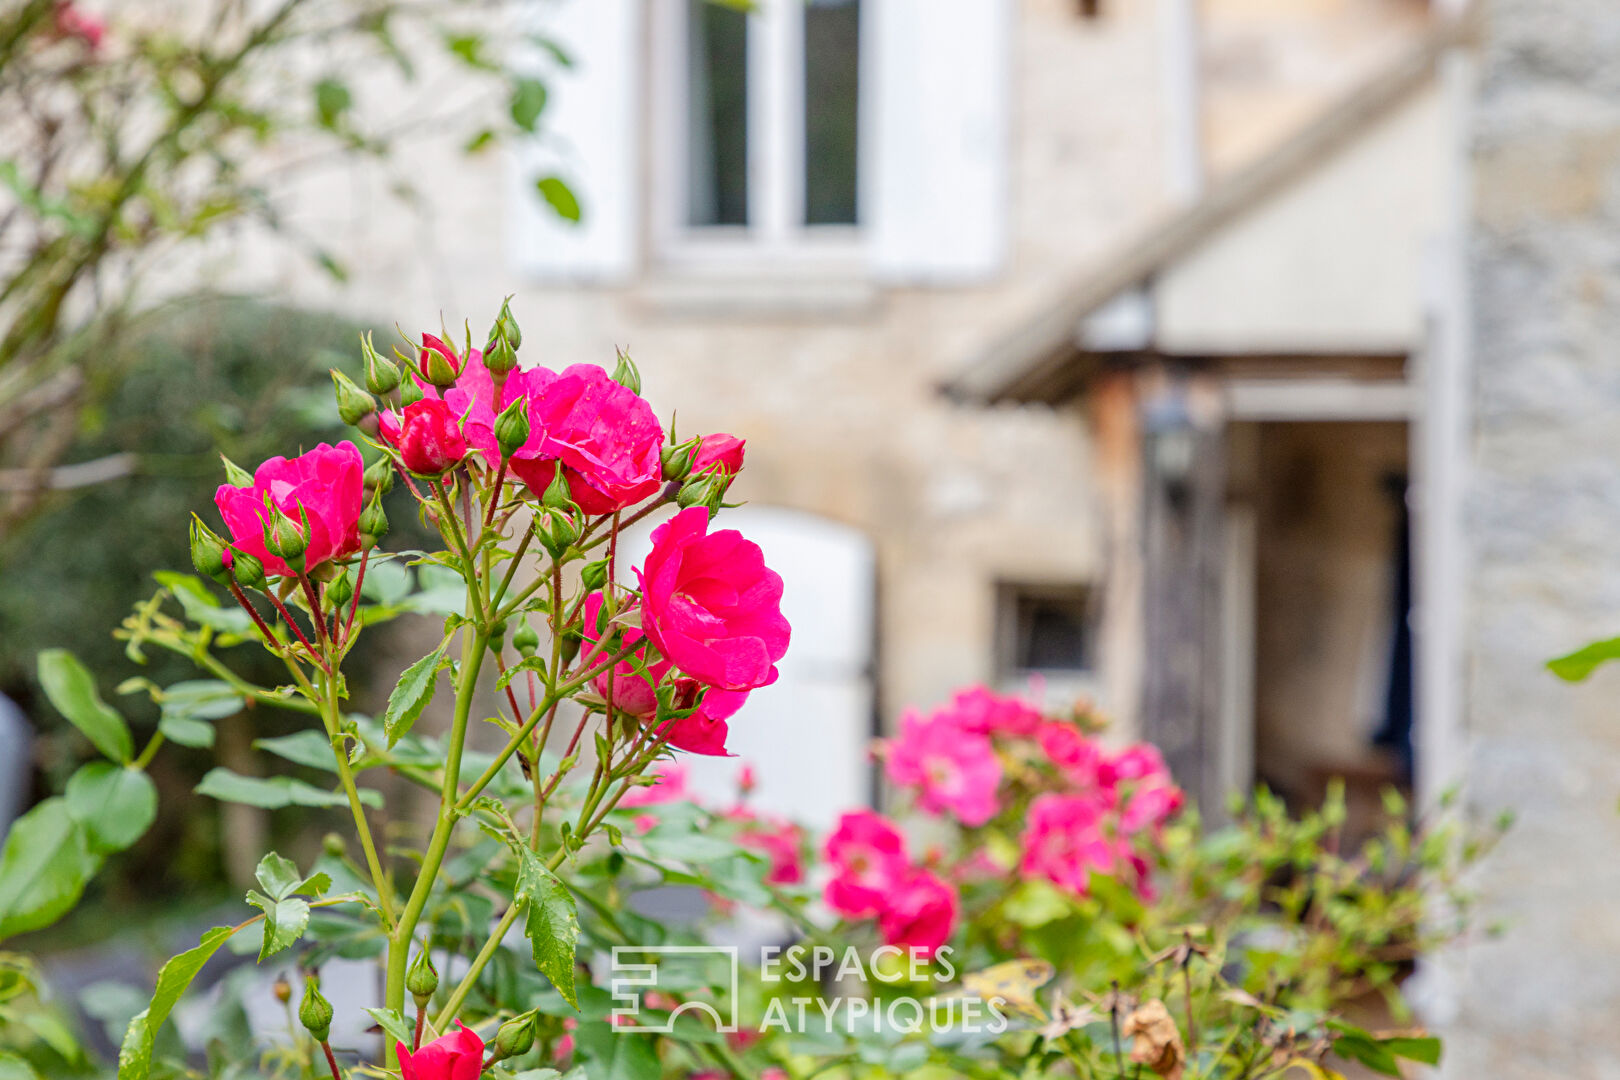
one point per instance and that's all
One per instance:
(637, 970)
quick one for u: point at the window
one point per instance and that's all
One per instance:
(1045, 628)
(766, 116)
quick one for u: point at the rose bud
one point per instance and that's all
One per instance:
(719, 453)
(340, 590)
(282, 989)
(353, 403)
(409, 393)
(516, 1037)
(379, 476)
(381, 373)
(626, 374)
(235, 475)
(557, 494)
(208, 551)
(526, 639)
(284, 538)
(334, 845)
(427, 437)
(315, 1012)
(506, 327)
(512, 427)
(594, 575)
(373, 522)
(248, 571)
(677, 460)
(422, 980)
(499, 357)
(439, 363)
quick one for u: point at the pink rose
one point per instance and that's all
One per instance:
(982, 710)
(1150, 805)
(868, 857)
(711, 605)
(1138, 761)
(473, 396)
(920, 913)
(1065, 840)
(325, 483)
(456, 1056)
(1079, 759)
(723, 452)
(670, 786)
(605, 435)
(634, 693)
(426, 436)
(952, 769)
(781, 842)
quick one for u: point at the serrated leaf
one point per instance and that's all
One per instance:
(275, 793)
(284, 922)
(393, 1024)
(114, 804)
(551, 921)
(411, 694)
(277, 875)
(135, 1056)
(186, 731)
(43, 868)
(528, 663)
(71, 689)
(559, 196)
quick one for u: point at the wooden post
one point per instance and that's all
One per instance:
(1183, 499)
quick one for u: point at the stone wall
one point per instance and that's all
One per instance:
(1543, 517)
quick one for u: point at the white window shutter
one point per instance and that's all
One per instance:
(938, 142)
(588, 138)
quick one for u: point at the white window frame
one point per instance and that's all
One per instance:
(776, 233)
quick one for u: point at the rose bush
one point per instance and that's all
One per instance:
(1026, 863)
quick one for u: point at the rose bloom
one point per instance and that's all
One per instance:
(718, 452)
(952, 769)
(605, 435)
(711, 605)
(1150, 804)
(434, 344)
(780, 842)
(982, 710)
(920, 913)
(868, 857)
(456, 1056)
(1139, 761)
(1078, 758)
(427, 436)
(703, 732)
(72, 21)
(326, 483)
(1065, 840)
(473, 397)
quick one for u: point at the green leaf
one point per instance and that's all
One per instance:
(201, 699)
(135, 1056)
(480, 142)
(528, 663)
(13, 1067)
(284, 921)
(393, 1024)
(278, 875)
(116, 805)
(186, 731)
(411, 695)
(528, 102)
(275, 793)
(1579, 664)
(551, 922)
(1423, 1048)
(74, 693)
(332, 100)
(617, 1055)
(311, 749)
(561, 198)
(43, 868)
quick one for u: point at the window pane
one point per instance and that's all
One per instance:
(831, 85)
(717, 115)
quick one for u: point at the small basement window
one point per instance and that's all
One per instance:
(1045, 628)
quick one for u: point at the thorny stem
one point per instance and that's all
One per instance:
(421, 1021)
(331, 718)
(354, 604)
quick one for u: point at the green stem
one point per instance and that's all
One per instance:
(472, 659)
(330, 718)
